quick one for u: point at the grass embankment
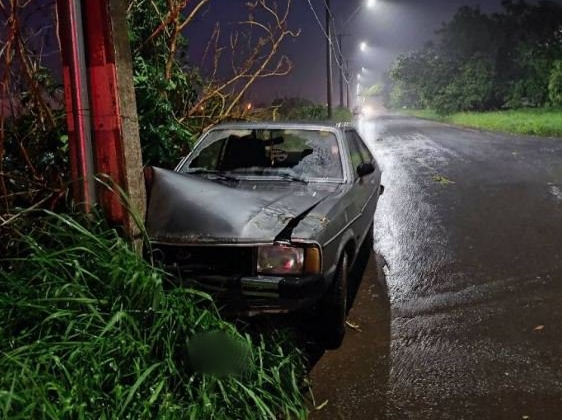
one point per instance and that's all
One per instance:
(536, 122)
(342, 114)
(87, 331)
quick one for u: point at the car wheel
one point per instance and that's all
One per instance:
(333, 307)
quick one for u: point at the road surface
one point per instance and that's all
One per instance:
(470, 228)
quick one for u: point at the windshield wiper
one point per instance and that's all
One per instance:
(291, 177)
(217, 174)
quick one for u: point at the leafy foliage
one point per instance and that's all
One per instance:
(90, 331)
(164, 138)
(472, 89)
(555, 84)
(374, 90)
(300, 109)
(162, 99)
(34, 163)
(484, 62)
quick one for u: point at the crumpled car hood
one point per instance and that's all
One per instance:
(189, 209)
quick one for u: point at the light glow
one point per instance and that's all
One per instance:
(368, 111)
(363, 46)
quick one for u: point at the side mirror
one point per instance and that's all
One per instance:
(365, 169)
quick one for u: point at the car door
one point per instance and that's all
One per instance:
(365, 189)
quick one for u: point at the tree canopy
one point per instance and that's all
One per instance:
(509, 59)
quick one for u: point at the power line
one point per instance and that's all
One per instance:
(338, 53)
(325, 33)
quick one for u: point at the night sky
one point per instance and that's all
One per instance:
(390, 28)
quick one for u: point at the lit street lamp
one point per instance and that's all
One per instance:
(367, 3)
(370, 4)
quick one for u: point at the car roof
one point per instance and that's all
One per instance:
(308, 125)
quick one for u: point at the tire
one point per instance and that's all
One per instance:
(333, 307)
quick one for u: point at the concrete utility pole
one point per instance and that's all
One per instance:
(347, 74)
(340, 43)
(109, 87)
(329, 57)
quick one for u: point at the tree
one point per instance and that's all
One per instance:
(33, 158)
(373, 90)
(471, 90)
(252, 54)
(177, 100)
(555, 84)
(484, 61)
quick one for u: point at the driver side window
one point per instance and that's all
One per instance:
(209, 156)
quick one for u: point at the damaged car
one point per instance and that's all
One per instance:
(268, 217)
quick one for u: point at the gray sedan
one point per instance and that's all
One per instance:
(268, 217)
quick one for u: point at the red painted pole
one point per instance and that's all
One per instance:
(106, 124)
(101, 77)
(77, 104)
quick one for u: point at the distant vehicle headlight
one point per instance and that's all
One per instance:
(288, 260)
(368, 111)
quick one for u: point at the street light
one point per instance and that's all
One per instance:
(363, 46)
(370, 4)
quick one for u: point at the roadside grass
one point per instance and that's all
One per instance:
(342, 114)
(546, 122)
(89, 330)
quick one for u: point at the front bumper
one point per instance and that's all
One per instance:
(261, 294)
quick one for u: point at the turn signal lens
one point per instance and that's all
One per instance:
(312, 263)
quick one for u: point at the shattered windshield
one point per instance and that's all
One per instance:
(305, 155)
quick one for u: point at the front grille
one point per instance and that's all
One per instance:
(208, 260)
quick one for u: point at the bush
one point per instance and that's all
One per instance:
(342, 114)
(88, 331)
(555, 84)
(164, 139)
(308, 112)
(471, 90)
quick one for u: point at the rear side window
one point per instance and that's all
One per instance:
(354, 150)
(366, 155)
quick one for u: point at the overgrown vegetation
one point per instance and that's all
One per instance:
(176, 100)
(301, 109)
(89, 331)
(484, 62)
(33, 143)
(538, 122)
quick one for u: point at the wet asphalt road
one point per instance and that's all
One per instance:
(470, 227)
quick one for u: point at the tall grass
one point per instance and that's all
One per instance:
(88, 331)
(537, 121)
